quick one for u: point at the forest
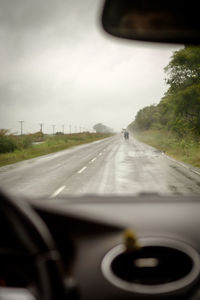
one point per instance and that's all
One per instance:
(177, 115)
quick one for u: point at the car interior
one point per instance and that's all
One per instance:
(108, 247)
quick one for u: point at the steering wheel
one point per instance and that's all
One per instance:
(34, 235)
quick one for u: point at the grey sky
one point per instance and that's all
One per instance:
(58, 67)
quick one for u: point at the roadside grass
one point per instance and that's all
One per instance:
(186, 149)
(51, 144)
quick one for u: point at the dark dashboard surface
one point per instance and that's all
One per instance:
(170, 216)
(86, 229)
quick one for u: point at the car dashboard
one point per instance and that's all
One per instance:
(90, 235)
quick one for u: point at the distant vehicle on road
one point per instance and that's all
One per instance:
(126, 135)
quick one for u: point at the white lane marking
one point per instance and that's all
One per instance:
(181, 164)
(58, 191)
(195, 172)
(93, 159)
(100, 153)
(177, 162)
(82, 170)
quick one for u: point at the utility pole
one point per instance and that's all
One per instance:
(53, 126)
(41, 125)
(63, 129)
(70, 129)
(21, 122)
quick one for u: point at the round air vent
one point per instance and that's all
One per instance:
(159, 267)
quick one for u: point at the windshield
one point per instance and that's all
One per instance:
(85, 113)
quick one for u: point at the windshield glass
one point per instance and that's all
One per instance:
(86, 113)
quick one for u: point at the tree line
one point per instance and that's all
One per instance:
(179, 108)
(101, 128)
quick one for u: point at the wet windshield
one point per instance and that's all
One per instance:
(82, 112)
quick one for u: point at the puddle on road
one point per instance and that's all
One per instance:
(140, 154)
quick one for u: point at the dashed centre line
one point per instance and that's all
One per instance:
(58, 191)
(82, 170)
(93, 159)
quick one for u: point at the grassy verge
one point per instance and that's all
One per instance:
(185, 149)
(51, 144)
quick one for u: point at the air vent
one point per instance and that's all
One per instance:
(160, 267)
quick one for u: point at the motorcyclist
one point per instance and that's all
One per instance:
(126, 135)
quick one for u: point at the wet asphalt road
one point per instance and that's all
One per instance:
(109, 166)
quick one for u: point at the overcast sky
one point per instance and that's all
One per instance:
(58, 67)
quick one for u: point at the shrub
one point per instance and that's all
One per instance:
(7, 144)
(26, 142)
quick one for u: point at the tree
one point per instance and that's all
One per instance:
(146, 117)
(184, 68)
(184, 81)
(101, 128)
(179, 109)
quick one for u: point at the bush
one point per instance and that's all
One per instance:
(7, 144)
(26, 142)
(37, 136)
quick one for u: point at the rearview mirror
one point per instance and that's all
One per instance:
(171, 21)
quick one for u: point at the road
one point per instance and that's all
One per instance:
(109, 166)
